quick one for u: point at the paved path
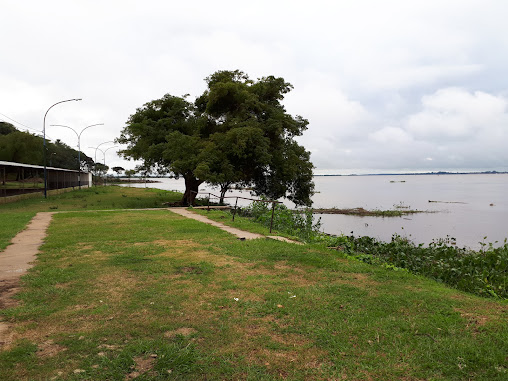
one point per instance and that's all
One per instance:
(15, 260)
(17, 257)
(242, 234)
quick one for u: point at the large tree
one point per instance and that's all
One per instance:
(236, 132)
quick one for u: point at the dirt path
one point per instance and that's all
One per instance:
(15, 260)
(242, 234)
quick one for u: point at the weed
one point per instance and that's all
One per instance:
(301, 225)
(483, 272)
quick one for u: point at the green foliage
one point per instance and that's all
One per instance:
(6, 128)
(118, 170)
(483, 272)
(27, 148)
(300, 225)
(21, 147)
(237, 131)
(130, 172)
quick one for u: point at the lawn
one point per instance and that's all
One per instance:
(150, 295)
(14, 216)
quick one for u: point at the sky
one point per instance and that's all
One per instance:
(387, 86)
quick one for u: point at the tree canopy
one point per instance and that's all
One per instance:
(236, 132)
(27, 148)
(6, 128)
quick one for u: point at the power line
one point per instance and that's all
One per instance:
(30, 128)
(21, 124)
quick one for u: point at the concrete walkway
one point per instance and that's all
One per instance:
(15, 260)
(17, 257)
(242, 234)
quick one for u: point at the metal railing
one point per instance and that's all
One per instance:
(273, 202)
(18, 179)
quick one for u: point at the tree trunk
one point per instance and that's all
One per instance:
(191, 189)
(223, 189)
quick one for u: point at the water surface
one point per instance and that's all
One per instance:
(472, 206)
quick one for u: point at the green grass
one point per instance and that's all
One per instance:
(14, 216)
(21, 185)
(153, 295)
(225, 217)
(95, 198)
(11, 224)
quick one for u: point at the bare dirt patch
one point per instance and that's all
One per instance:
(7, 290)
(294, 347)
(49, 349)
(84, 246)
(142, 366)
(184, 331)
(473, 320)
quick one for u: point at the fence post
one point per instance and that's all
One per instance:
(209, 195)
(234, 210)
(271, 222)
(5, 185)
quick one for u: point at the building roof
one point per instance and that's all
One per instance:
(13, 164)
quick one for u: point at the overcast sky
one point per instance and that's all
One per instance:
(387, 86)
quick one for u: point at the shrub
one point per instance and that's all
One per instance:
(483, 272)
(299, 224)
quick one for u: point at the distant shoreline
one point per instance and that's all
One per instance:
(418, 174)
(138, 179)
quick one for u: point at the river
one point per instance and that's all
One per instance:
(470, 208)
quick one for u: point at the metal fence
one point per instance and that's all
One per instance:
(273, 202)
(19, 179)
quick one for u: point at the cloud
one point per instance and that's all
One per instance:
(390, 135)
(460, 115)
(385, 85)
(453, 130)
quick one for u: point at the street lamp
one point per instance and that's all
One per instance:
(106, 150)
(96, 148)
(44, 142)
(79, 144)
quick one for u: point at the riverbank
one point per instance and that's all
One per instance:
(150, 294)
(472, 206)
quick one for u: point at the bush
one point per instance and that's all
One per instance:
(299, 224)
(483, 272)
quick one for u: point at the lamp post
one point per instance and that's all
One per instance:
(106, 150)
(79, 145)
(44, 142)
(97, 148)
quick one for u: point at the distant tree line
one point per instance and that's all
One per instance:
(24, 147)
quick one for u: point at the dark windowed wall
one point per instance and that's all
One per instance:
(18, 179)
